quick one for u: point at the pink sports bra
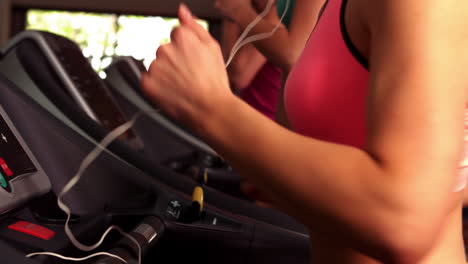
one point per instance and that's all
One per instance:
(264, 90)
(326, 91)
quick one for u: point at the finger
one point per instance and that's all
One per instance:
(166, 56)
(163, 51)
(149, 87)
(187, 19)
(151, 68)
(155, 66)
(185, 15)
(182, 35)
(185, 41)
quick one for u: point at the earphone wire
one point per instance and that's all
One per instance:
(87, 161)
(244, 40)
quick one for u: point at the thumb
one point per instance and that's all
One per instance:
(185, 16)
(189, 20)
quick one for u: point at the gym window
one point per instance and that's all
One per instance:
(103, 36)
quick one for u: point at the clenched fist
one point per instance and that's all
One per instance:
(188, 79)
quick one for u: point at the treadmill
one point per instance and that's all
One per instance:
(123, 79)
(37, 158)
(41, 151)
(31, 62)
(187, 154)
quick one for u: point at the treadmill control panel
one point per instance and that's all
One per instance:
(179, 210)
(21, 176)
(14, 160)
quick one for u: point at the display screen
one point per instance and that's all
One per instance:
(14, 161)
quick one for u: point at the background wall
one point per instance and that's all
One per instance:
(5, 12)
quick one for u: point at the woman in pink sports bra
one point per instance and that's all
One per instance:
(376, 103)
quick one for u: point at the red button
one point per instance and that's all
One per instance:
(32, 229)
(5, 168)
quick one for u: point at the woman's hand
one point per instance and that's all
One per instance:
(188, 79)
(234, 9)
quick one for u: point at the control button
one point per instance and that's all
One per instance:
(32, 229)
(3, 182)
(175, 204)
(5, 168)
(4, 138)
(222, 222)
(174, 209)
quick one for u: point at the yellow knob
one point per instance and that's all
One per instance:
(197, 196)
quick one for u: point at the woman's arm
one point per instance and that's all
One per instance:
(285, 46)
(247, 62)
(408, 170)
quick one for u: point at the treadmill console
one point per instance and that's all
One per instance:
(78, 79)
(123, 78)
(85, 87)
(21, 177)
